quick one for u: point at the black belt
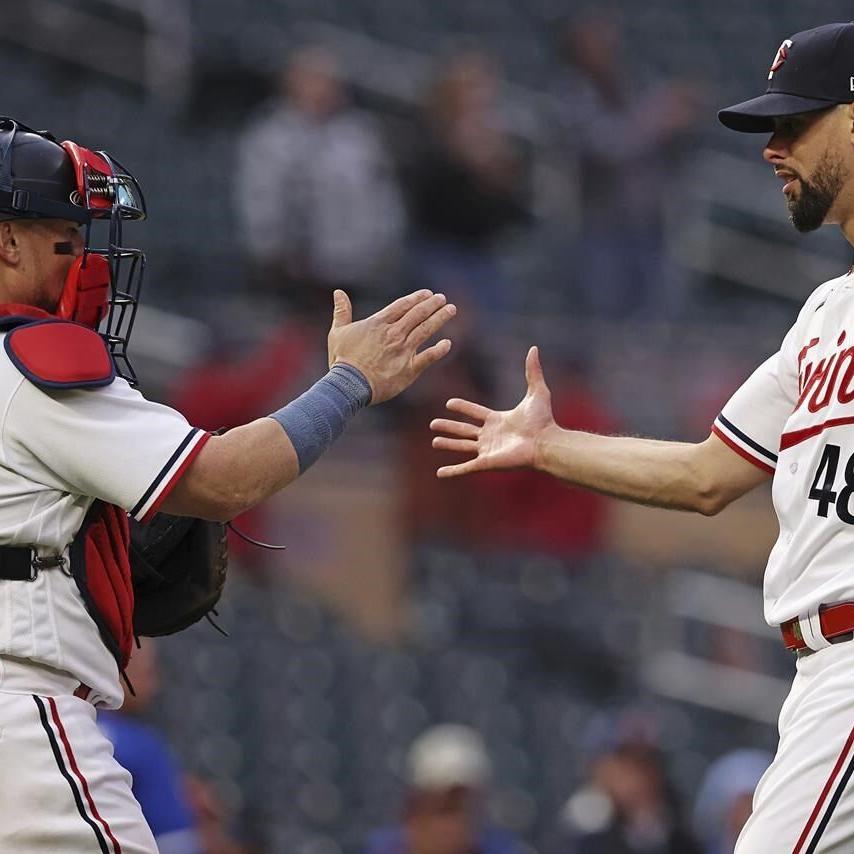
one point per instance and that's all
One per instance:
(19, 563)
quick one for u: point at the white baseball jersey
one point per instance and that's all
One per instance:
(794, 417)
(59, 451)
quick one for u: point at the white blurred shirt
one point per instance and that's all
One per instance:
(322, 192)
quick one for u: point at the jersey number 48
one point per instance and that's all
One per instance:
(825, 495)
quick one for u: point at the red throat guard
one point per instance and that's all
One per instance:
(86, 292)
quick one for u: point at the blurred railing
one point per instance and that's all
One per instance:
(731, 226)
(735, 229)
(145, 43)
(709, 646)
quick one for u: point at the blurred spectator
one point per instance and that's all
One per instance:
(525, 511)
(234, 385)
(316, 197)
(725, 799)
(448, 773)
(138, 747)
(465, 184)
(436, 510)
(517, 510)
(627, 143)
(626, 805)
(231, 386)
(212, 818)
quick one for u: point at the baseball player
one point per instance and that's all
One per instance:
(81, 450)
(792, 420)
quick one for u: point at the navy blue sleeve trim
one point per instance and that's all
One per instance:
(164, 471)
(747, 440)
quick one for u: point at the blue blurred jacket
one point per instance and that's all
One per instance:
(390, 841)
(156, 782)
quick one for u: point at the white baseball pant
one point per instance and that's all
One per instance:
(804, 803)
(60, 787)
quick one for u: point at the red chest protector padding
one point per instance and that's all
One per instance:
(101, 568)
(59, 354)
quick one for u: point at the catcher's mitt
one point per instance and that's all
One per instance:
(178, 566)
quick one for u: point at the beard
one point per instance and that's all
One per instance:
(809, 210)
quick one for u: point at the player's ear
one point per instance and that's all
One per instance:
(10, 250)
(849, 114)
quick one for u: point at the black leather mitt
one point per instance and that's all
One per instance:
(178, 566)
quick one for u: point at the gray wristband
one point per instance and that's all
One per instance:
(318, 416)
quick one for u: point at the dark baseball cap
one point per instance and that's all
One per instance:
(812, 70)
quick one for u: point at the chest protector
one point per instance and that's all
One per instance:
(59, 354)
(101, 567)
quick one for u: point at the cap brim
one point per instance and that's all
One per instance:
(757, 115)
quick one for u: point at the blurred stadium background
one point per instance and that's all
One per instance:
(651, 261)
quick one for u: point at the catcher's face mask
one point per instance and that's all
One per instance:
(108, 277)
(43, 179)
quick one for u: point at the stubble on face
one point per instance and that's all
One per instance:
(808, 211)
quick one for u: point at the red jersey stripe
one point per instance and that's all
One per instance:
(54, 713)
(824, 793)
(788, 440)
(741, 451)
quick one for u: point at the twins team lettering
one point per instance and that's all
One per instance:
(831, 377)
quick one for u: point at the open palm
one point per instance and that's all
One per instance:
(497, 439)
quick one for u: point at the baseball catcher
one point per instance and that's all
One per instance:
(112, 506)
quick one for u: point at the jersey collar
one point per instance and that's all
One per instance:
(19, 309)
(13, 314)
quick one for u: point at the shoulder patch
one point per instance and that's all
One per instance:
(60, 354)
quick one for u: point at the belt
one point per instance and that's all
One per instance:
(20, 563)
(836, 622)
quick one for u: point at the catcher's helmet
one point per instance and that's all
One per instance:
(36, 177)
(41, 178)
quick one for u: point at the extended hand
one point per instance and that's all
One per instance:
(384, 346)
(498, 440)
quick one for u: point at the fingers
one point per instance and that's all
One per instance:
(421, 361)
(461, 468)
(463, 446)
(469, 409)
(462, 438)
(397, 309)
(461, 429)
(533, 368)
(417, 314)
(428, 328)
(342, 312)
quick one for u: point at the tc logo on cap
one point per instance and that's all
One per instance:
(780, 57)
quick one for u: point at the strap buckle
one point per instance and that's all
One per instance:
(21, 200)
(49, 562)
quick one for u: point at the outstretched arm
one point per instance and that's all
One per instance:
(703, 477)
(246, 465)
